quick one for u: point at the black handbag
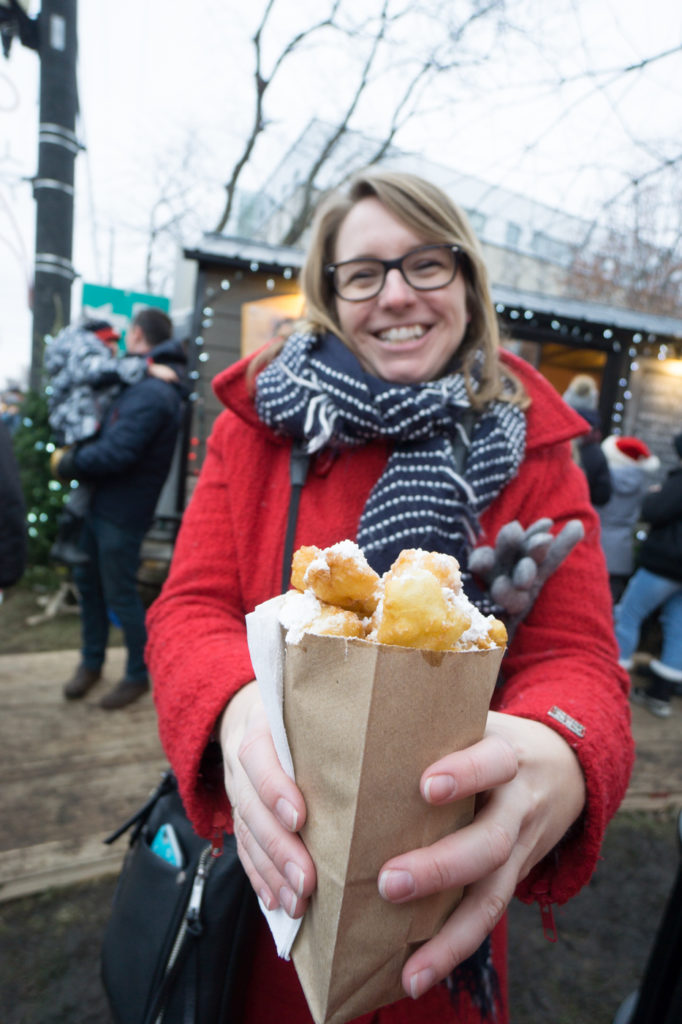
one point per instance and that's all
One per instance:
(177, 946)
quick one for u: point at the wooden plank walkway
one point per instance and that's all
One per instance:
(70, 773)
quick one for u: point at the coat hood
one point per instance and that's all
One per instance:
(172, 353)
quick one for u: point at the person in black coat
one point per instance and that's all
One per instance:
(582, 395)
(13, 535)
(657, 583)
(127, 466)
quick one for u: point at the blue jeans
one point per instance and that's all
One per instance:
(109, 583)
(644, 593)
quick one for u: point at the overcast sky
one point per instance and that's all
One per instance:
(155, 74)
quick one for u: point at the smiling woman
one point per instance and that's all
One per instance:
(394, 371)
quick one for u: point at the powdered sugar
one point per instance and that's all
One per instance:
(297, 612)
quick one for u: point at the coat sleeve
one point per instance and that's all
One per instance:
(596, 469)
(659, 507)
(131, 426)
(562, 667)
(13, 537)
(199, 620)
(92, 364)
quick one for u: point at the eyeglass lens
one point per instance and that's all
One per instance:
(426, 268)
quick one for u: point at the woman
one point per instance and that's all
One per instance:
(632, 468)
(582, 395)
(400, 342)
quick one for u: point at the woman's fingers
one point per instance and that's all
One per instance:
(279, 857)
(531, 789)
(267, 807)
(481, 909)
(456, 860)
(275, 789)
(488, 763)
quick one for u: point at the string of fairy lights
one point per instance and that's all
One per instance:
(636, 346)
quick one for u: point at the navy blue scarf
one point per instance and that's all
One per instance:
(317, 390)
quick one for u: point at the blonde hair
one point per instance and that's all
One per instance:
(432, 215)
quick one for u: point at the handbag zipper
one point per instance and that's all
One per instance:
(191, 921)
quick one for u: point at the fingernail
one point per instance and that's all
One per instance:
(287, 814)
(288, 900)
(396, 885)
(295, 877)
(421, 982)
(439, 787)
(265, 899)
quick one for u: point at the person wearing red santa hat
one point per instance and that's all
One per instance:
(632, 468)
(657, 583)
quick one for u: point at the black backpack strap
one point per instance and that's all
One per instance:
(298, 471)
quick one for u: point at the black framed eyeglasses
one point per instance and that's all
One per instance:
(427, 268)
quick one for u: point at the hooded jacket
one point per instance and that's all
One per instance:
(129, 461)
(85, 378)
(561, 668)
(630, 480)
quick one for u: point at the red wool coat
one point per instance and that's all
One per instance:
(561, 668)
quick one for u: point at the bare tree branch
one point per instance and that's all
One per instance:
(261, 85)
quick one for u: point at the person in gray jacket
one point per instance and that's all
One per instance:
(632, 468)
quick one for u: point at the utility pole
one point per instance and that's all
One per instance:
(53, 185)
(53, 34)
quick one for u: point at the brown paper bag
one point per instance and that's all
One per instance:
(363, 721)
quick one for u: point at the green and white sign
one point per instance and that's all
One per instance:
(118, 306)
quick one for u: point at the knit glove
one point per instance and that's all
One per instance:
(517, 567)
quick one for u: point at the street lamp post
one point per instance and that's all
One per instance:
(53, 185)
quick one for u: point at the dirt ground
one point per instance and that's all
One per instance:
(50, 943)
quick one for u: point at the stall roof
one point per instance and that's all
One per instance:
(230, 250)
(531, 313)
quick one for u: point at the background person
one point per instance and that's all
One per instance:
(657, 583)
(85, 375)
(126, 466)
(632, 468)
(583, 396)
(13, 535)
(400, 342)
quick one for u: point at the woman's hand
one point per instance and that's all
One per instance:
(267, 807)
(531, 790)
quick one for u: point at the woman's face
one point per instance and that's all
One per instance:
(401, 335)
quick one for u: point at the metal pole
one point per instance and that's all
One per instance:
(53, 186)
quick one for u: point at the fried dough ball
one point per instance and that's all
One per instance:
(299, 565)
(415, 612)
(497, 633)
(340, 575)
(333, 621)
(486, 632)
(418, 603)
(444, 567)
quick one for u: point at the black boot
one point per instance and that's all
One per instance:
(65, 548)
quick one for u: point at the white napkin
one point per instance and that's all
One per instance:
(266, 648)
